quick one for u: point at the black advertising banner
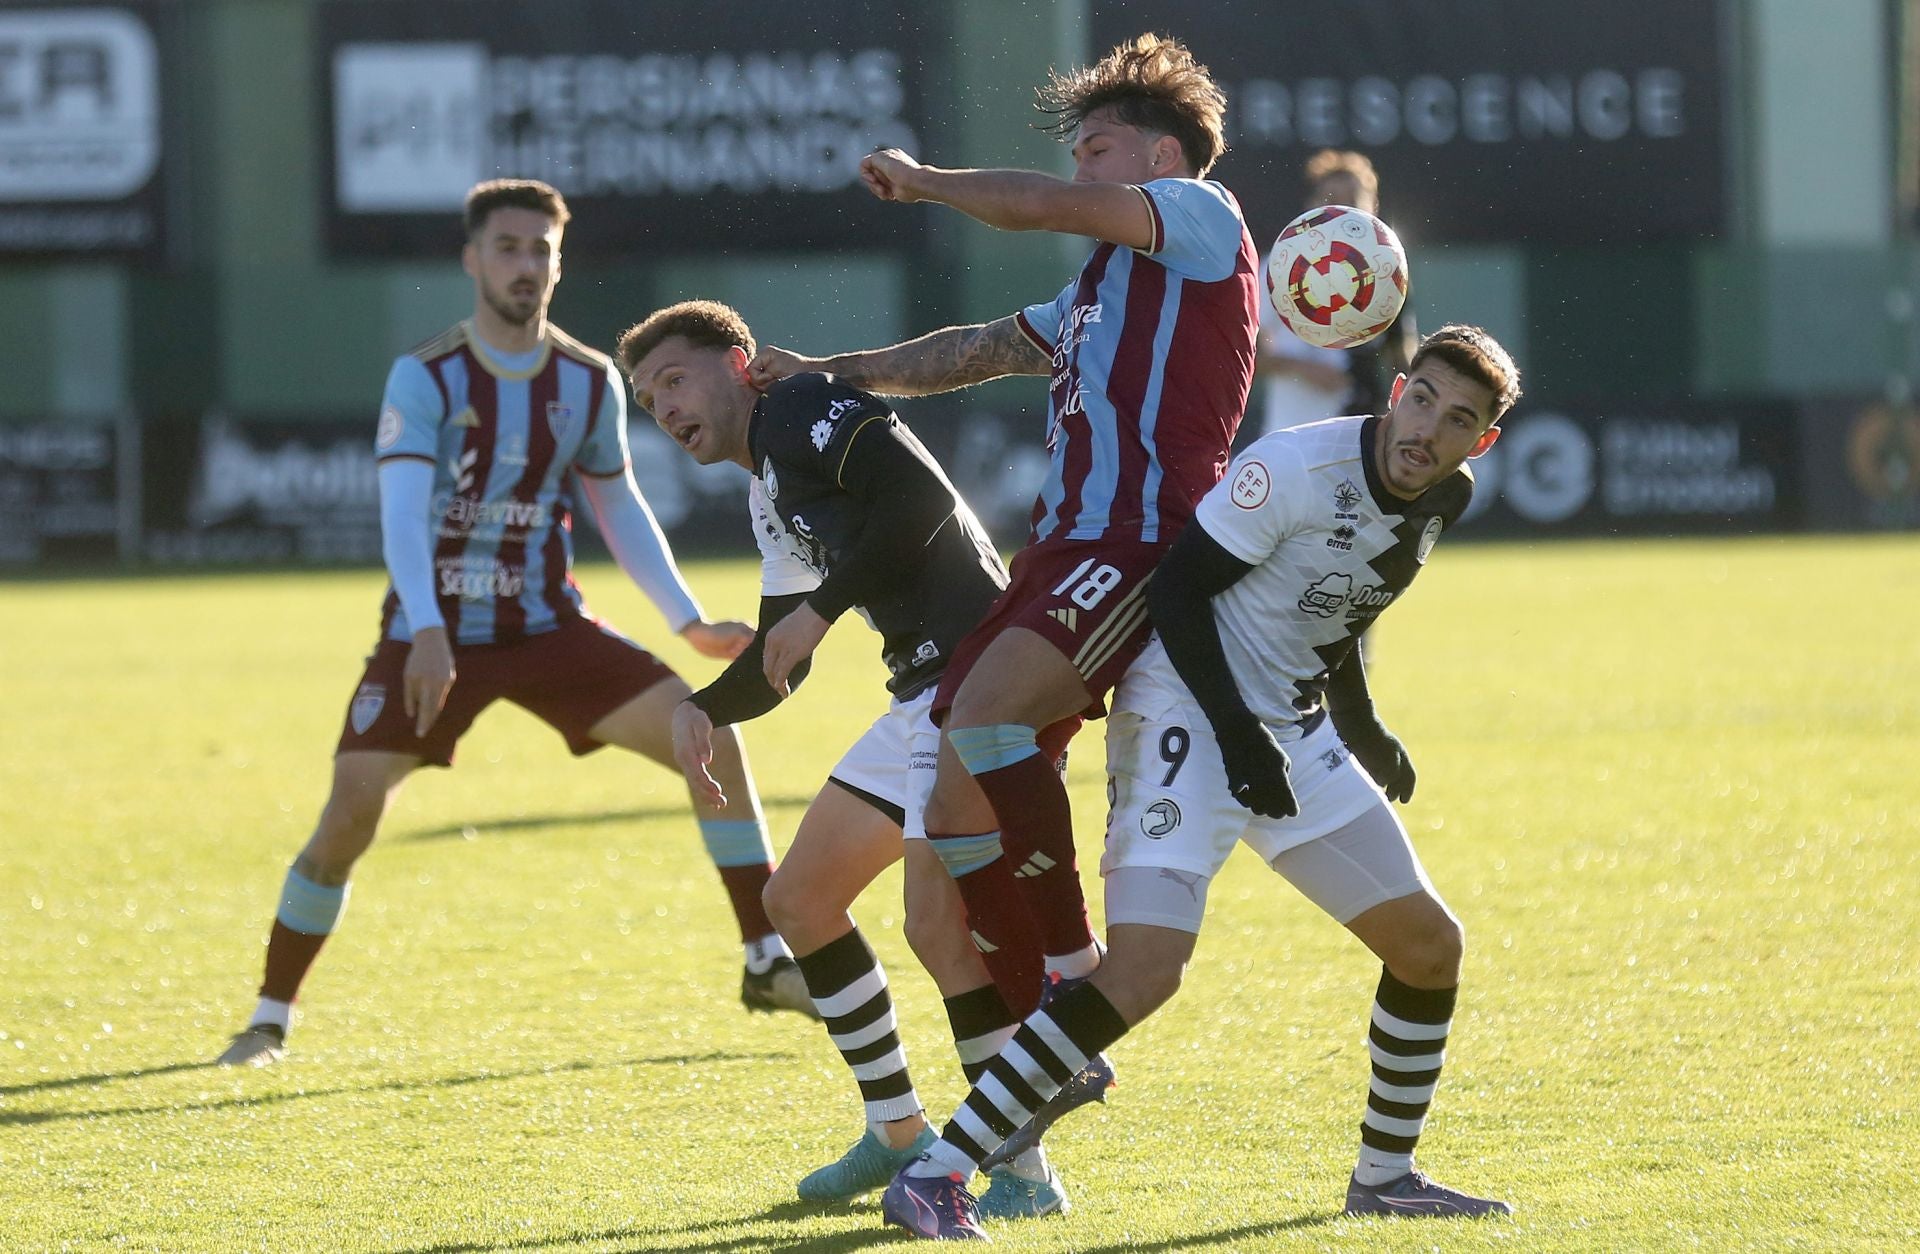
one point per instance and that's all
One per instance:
(68, 494)
(1569, 122)
(1862, 459)
(669, 128)
(222, 491)
(1678, 469)
(82, 141)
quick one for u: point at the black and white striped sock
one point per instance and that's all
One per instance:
(1055, 1042)
(850, 991)
(982, 1025)
(1407, 1039)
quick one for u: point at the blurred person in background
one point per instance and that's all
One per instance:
(1299, 382)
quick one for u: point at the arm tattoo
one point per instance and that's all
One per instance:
(943, 361)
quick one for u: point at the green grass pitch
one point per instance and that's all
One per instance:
(1667, 786)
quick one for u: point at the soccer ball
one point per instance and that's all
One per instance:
(1337, 276)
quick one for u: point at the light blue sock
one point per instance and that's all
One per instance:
(736, 842)
(989, 748)
(310, 908)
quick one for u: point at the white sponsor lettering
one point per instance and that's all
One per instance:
(479, 578)
(1600, 103)
(464, 513)
(291, 482)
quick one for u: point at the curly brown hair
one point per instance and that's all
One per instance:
(1150, 82)
(703, 323)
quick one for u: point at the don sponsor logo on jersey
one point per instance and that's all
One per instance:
(479, 578)
(1332, 593)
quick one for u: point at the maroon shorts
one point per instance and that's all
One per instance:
(1086, 598)
(570, 677)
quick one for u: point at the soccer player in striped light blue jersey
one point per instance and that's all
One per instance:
(487, 435)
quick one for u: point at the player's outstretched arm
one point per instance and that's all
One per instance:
(640, 548)
(940, 361)
(1378, 750)
(1016, 200)
(1179, 600)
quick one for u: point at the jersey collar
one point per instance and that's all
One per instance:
(484, 355)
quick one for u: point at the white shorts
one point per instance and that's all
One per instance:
(1169, 809)
(894, 762)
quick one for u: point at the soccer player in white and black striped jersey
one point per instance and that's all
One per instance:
(850, 512)
(1314, 531)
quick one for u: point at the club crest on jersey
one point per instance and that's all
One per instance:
(559, 418)
(391, 424)
(1251, 486)
(766, 477)
(1346, 496)
(1159, 818)
(366, 707)
(1428, 538)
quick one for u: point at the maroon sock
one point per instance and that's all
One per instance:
(1003, 931)
(289, 954)
(744, 886)
(1036, 831)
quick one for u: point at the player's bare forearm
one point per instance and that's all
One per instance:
(1015, 200)
(943, 361)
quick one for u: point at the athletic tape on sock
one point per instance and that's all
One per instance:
(963, 855)
(989, 748)
(736, 842)
(310, 908)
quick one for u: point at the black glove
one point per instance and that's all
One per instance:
(1257, 769)
(1379, 752)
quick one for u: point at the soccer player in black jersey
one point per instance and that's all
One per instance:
(850, 511)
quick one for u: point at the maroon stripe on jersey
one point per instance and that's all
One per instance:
(1127, 383)
(471, 467)
(509, 614)
(1026, 328)
(561, 593)
(1204, 386)
(388, 609)
(1070, 425)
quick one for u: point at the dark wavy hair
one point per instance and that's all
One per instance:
(1150, 82)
